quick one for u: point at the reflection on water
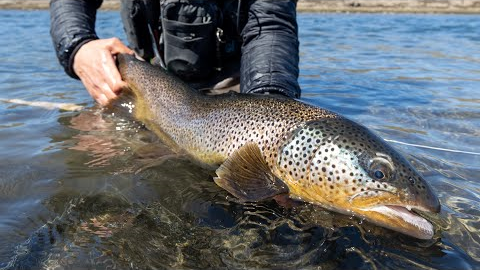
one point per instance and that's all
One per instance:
(95, 189)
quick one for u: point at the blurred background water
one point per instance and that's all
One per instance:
(84, 189)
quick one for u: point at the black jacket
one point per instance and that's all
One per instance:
(269, 61)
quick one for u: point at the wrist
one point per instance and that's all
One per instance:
(69, 68)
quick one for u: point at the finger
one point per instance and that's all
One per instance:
(111, 74)
(91, 87)
(97, 91)
(108, 92)
(102, 100)
(122, 86)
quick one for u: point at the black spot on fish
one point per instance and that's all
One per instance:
(412, 181)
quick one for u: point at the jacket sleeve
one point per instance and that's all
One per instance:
(270, 49)
(72, 24)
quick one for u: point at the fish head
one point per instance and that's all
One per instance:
(342, 166)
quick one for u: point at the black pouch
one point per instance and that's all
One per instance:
(189, 39)
(137, 15)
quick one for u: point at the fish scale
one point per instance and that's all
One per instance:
(265, 145)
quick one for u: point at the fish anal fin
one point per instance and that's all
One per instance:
(247, 176)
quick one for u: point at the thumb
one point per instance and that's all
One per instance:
(116, 46)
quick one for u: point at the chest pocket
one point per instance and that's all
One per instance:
(189, 37)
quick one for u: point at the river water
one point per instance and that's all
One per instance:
(86, 189)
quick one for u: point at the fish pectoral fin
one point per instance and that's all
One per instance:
(246, 175)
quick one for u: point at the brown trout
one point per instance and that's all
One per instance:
(266, 145)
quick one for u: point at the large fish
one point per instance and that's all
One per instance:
(265, 145)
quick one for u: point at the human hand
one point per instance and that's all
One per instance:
(95, 65)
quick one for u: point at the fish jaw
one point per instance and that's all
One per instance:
(399, 218)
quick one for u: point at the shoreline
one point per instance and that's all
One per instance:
(320, 6)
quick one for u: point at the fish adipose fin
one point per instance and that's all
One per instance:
(246, 175)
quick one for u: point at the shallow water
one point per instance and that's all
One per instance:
(90, 189)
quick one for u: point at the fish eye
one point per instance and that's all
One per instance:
(380, 169)
(379, 174)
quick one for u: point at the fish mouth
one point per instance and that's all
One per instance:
(402, 219)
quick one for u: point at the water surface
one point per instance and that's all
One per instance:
(94, 189)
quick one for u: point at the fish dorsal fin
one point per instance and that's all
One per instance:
(246, 175)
